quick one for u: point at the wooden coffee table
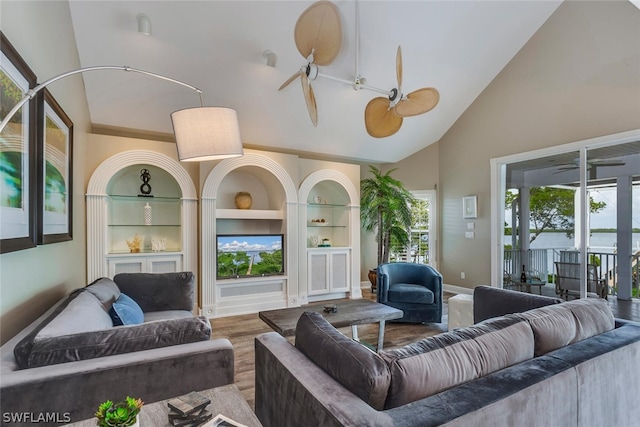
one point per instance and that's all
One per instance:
(350, 313)
(226, 400)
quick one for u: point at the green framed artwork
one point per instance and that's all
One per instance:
(17, 153)
(55, 171)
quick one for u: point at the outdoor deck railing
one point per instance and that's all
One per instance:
(542, 261)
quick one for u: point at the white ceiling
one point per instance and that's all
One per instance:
(457, 47)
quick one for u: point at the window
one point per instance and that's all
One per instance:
(422, 247)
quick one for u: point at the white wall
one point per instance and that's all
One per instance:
(31, 280)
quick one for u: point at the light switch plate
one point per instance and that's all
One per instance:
(470, 235)
(471, 225)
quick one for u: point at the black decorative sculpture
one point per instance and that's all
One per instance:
(145, 177)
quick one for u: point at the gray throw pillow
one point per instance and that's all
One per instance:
(350, 363)
(105, 290)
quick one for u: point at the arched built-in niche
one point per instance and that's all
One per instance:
(329, 208)
(98, 212)
(274, 210)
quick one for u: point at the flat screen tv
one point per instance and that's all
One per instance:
(249, 255)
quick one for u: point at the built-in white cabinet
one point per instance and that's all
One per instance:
(144, 263)
(159, 211)
(273, 214)
(328, 270)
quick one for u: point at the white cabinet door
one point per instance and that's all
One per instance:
(328, 271)
(318, 265)
(339, 271)
(145, 264)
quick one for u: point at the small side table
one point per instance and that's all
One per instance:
(226, 400)
(460, 311)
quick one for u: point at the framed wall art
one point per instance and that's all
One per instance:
(470, 207)
(17, 153)
(55, 171)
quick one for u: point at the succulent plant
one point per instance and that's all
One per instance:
(120, 414)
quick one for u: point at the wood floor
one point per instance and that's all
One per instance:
(241, 331)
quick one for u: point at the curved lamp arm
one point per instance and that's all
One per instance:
(32, 92)
(203, 133)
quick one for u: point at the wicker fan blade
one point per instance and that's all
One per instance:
(418, 102)
(310, 98)
(379, 119)
(288, 82)
(319, 31)
(399, 67)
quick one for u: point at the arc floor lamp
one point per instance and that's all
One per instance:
(202, 133)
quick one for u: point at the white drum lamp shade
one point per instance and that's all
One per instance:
(206, 133)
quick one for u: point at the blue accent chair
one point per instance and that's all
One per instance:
(416, 289)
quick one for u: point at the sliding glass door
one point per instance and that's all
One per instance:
(573, 208)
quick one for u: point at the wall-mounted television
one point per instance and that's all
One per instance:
(249, 255)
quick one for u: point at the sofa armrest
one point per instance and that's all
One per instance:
(491, 302)
(77, 388)
(291, 390)
(159, 292)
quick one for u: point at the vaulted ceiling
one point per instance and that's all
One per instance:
(457, 47)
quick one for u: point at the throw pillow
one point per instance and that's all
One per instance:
(350, 363)
(105, 290)
(125, 311)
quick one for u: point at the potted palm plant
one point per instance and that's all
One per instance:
(385, 209)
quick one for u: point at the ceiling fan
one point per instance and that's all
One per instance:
(383, 116)
(592, 165)
(318, 37)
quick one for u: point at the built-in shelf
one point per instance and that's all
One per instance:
(249, 214)
(142, 198)
(144, 252)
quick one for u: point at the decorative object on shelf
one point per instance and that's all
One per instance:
(313, 241)
(385, 208)
(331, 308)
(325, 243)
(147, 214)
(145, 188)
(243, 200)
(158, 245)
(317, 199)
(189, 410)
(135, 245)
(119, 414)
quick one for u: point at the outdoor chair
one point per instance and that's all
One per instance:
(568, 280)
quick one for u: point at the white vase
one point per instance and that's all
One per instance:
(147, 214)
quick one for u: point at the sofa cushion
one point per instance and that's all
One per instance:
(105, 290)
(125, 311)
(159, 292)
(118, 340)
(558, 325)
(84, 314)
(410, 293)
(23, 348)
(438, 363)
(350, 363)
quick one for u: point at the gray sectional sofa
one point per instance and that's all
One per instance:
(73, 357)
(563, 364)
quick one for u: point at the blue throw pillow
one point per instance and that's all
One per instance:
(125, 311)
